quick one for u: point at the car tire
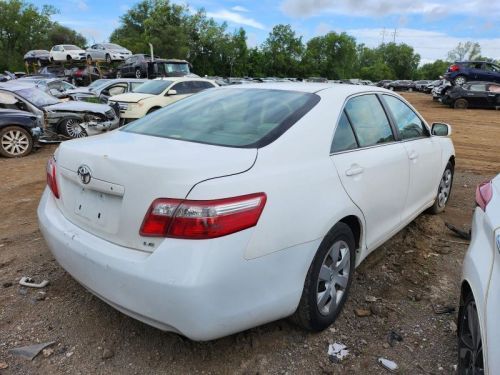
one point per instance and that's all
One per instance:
(460, 80)
(68, 58)
(470, 348)
(15, 142)
(119, 74)
(332, 267)
(108, 58)
(138, 73)
(444, 190)
(461, 104)
(71, 128)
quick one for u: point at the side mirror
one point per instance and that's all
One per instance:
(441, 129)
(171, 92)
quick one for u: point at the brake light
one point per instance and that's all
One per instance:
(51, 177)
(454, 68)
(484, 193)
(191, 219)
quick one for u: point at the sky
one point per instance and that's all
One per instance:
(431, 27)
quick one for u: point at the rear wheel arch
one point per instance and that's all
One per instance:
(354, 224)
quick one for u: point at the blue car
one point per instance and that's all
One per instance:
(463, 71)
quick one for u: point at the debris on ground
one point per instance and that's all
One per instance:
(362, 313)
(107, 354)
(371, 299)
(394, 336)
(388, 364)
(440, 310)
(3, 365)
(31, 351)
(47, 352)
(466, 235)
(29, 282)
(7, 284)
(337, 352)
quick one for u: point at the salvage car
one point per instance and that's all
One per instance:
(420, 85)
(141, 65)
(155, 94)
(478, 323)
(54, 86)
(440, 90)
(463, 71)
(473, 95)
(67, 52)
(243, 204)
(108, 52)
(37, 56)
(102, 89)
(400, 85)
(19, 131)
(59, 120)
(84, 75)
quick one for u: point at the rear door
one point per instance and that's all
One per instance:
(423, 153)
(372, 166)
(184, 89)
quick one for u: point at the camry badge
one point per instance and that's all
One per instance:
(84, 174)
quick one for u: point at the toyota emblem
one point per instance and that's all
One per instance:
(84, 174)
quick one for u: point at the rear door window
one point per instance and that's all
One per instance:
(344, 138)
(185, 88)
(369, 120)
(408, 123)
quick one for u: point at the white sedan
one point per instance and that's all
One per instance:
(478, 323)
(67, 52)
(243, 205)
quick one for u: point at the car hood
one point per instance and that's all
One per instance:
(79, 90)
(130, 97)
(77, 106)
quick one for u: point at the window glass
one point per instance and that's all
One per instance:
(494, 88)
(408, 123)
(228, 117)
(477, 87)
(369, 120)
(184, 88)
(344, 136)
(117, 89)
(134, 85)
(202, 85)
(154, 87)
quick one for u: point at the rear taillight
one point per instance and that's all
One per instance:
(192, 219)
(454, 68)
(51, 177)
(484, 193)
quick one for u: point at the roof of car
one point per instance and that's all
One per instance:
(310, 87)
(182, 78)
(15, 85)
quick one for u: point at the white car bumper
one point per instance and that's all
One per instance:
(201, 289)
(93, 128)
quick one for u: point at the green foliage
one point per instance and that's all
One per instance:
(24, 27)
(465, 51)
(282, 52)
(433, 70)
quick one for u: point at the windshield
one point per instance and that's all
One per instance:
(112, 46)
(228, 117)
(70, 47)
(177, 68)
(153, 87)
(37, 97)
(98, 83)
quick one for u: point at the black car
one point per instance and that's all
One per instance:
(84, 76)
(53, 72)
(420, 85)
(473, 95)
(19, 132)
(142, 66)
(37, 56)
(400, 85)
(464, 71)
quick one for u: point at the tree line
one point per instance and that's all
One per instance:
(177, 32)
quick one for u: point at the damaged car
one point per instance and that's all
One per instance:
(19, 131)
(60, 120)
(473, 95)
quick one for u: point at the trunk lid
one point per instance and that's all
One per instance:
(127, 172)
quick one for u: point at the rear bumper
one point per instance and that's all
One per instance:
(201, 289)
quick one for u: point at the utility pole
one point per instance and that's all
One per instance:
(394, 34)
(382, 33)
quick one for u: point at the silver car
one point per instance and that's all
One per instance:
(107, 52)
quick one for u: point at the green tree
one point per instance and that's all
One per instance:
(465, 51)
(400, 58)
(283, 51)
(433, 70)
(59, 34)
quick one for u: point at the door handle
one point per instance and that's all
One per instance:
(354, 170)
(413, 155)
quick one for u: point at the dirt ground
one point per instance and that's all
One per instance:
(400, 286)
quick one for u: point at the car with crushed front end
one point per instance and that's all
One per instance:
(19, 132)
(478, 323)
(56, 87)
(244, 204)
(102, 89)
(473, 95)
(60, 120)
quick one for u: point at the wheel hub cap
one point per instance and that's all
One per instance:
(15, 142)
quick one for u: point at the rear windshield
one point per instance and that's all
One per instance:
(232, 117)
(154, 87)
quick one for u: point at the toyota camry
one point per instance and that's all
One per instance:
(240, 205)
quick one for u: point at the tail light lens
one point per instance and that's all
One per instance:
(484, 193)
(454, 68)
(51, 177)
(192, 219)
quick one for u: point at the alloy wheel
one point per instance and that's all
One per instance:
(460, 80)
(444, 187)
(470, 343)
(333, 277)
(74, 129)
(15, 143)
(138, 73)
